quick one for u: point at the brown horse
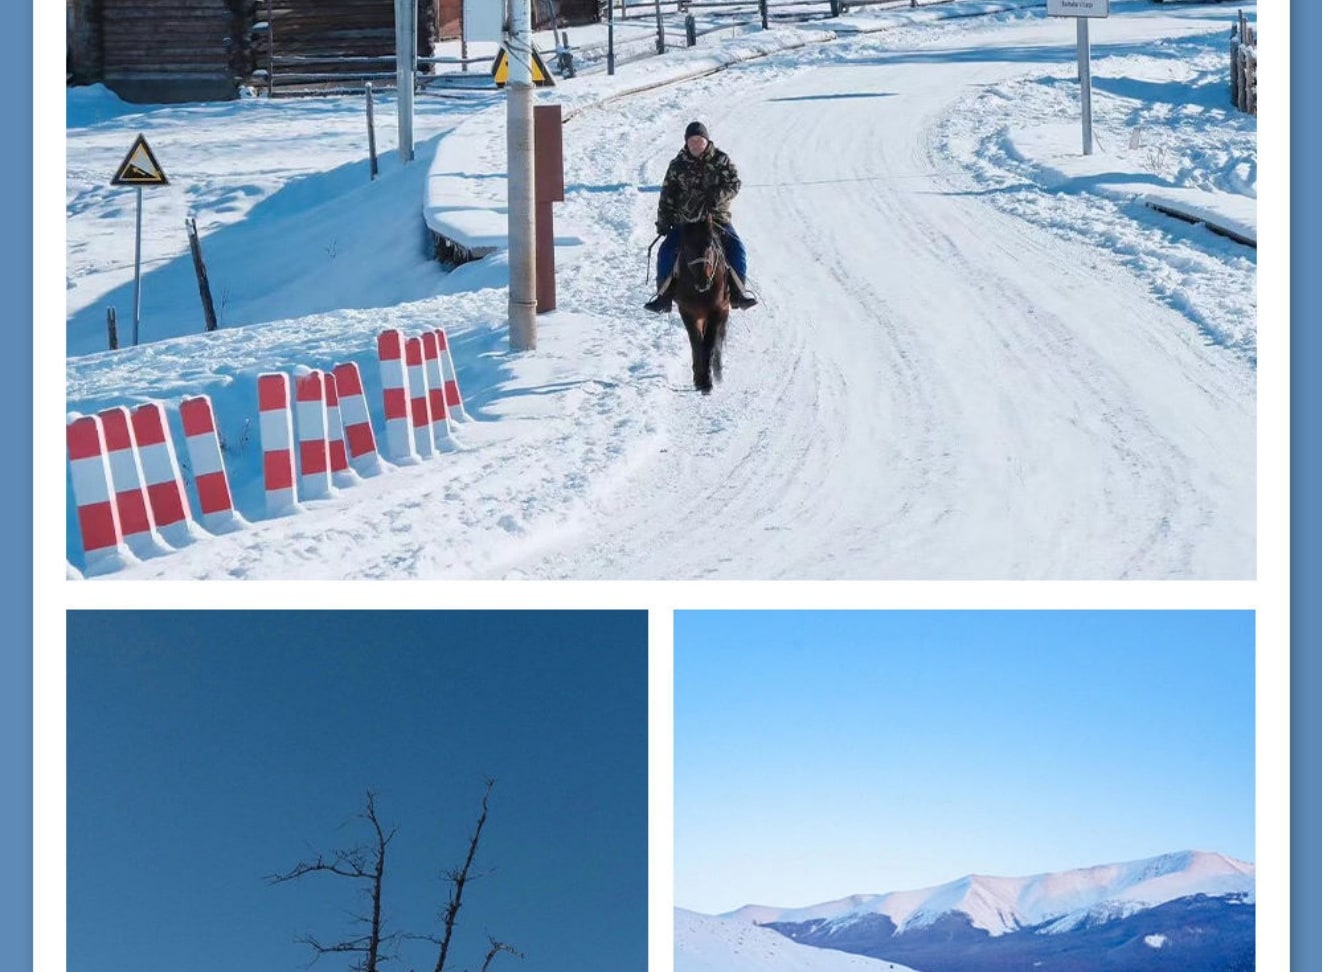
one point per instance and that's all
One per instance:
(702, 293)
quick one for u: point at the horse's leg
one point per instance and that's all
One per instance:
(703, 356)
(715, 338)
(694, 327)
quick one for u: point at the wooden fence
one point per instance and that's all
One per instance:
(1245, 66)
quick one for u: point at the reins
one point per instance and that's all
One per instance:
(647, 272)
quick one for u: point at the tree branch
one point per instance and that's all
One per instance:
(496, 948)
(457, 881)
(361, 863)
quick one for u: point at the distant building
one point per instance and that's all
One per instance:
(203, 50)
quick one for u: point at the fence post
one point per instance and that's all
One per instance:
(112, 329)
(200, 269)
(564, 56)
(1235, 69)
(1251, 79)
(762, 12)
(270, 52)
(610, 37)
(661, 30)
(690, 30)
(372, 134)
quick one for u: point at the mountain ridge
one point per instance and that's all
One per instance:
(1060, 900)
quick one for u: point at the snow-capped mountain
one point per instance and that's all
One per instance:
(1192, 907)
(999, 905)
(707, 944)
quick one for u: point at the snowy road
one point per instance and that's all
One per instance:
(932, 388)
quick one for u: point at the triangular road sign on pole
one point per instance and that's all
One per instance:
(140, 167)
(501, 69)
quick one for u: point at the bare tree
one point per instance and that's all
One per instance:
(359, 863)
(458, 878)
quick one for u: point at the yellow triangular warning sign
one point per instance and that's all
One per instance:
(140, 167)
(501, 69)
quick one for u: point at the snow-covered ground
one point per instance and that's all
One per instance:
(707, 944)
(1164, 129)
(953, 374)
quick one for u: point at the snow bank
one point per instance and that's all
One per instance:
(465, 196)
(1054, 151)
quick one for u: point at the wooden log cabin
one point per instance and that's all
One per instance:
(152, 51)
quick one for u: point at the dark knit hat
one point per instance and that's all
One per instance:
(696, 128)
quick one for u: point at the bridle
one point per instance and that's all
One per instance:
(709, 264)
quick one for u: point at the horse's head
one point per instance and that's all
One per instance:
(701, 258)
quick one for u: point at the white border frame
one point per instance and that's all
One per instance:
(1268, 595)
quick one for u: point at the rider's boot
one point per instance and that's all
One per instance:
(741, 296)
(661, 304)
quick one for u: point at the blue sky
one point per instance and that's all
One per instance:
(820, 754)
(208, 749)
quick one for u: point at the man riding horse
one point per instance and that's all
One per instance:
(701, 181)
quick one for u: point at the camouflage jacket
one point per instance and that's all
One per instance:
(697, 187)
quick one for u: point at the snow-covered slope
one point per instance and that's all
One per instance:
(707, 944)
(999, 905)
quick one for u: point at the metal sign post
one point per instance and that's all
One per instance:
(139, 169)
(137, 269)
(1086, 81)
(1082, 10)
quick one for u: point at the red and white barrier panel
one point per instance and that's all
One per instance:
(160, 471)
(341, 474)
(436, 393)
(395, 398)
(277, 429)
(131, 503)
(314, 451)
(98, 520)
(454, 400)
(359, 437)
(215, 502)
(420, 413)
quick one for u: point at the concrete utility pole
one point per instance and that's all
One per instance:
(519, 154)
(406, 61)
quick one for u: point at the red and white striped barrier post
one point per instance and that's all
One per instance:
(277, 427)
(436, 393)
(215, 502)
(454, 400)
(98, 520)
(359, 437)
(419, 413)
(160, 471)
(310, 424)
(395, 398)
(341, 474)
(131, 503)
